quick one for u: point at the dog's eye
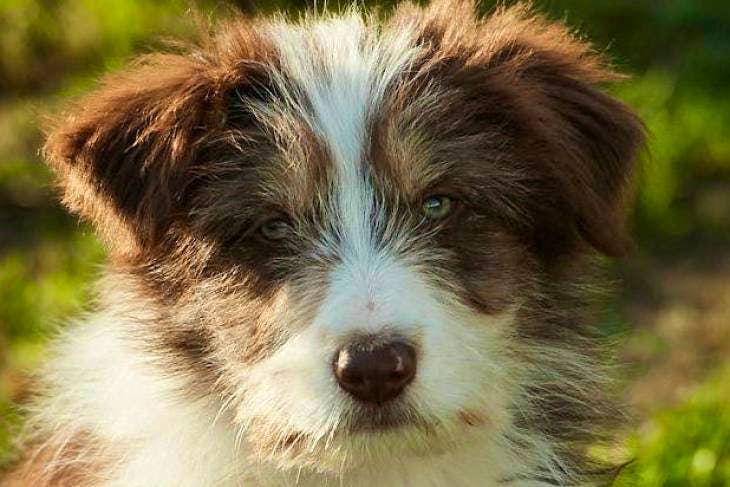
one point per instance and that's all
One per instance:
(436, 207)
(275, 229)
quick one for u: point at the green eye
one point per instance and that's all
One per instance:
(276, 229)
(436, 207)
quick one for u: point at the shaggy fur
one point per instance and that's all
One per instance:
(261, 196)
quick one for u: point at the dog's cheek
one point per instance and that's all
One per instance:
(284, 380)
(468, 372)
(466, 366)
(291, 393)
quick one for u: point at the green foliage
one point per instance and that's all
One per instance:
(40, 287)
(683, 177)
(688, 446)
(44, 42)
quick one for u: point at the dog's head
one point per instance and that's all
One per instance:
(363, 235)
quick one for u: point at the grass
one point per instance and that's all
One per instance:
(686, 446)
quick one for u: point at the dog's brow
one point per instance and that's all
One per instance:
(344, 68)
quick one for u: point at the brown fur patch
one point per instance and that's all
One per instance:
(520, 107)
(80, 461)
(472, 418)
(126, 152)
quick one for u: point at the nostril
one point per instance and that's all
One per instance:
(398, 376)
(375, 373)
(356, 381)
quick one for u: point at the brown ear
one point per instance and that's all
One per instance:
(582, 142)
(121, 154)
(126, 154)
(590, 139)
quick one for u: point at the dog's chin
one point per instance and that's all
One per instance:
(387, 418)
(367, 436)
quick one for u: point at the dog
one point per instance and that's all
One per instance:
(349, 250)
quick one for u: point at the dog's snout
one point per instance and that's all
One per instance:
(375, 373)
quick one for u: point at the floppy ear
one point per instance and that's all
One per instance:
(127, 154)
(122, 154)
(580, 143)
(590, 140)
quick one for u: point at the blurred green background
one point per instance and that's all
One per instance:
(671, 315)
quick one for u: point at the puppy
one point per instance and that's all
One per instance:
(343, 251)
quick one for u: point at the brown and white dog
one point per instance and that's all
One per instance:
(344, 251)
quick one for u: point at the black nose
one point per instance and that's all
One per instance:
(375, 373)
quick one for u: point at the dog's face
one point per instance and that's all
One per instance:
(359, 235)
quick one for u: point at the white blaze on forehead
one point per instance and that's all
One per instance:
(343, 65)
